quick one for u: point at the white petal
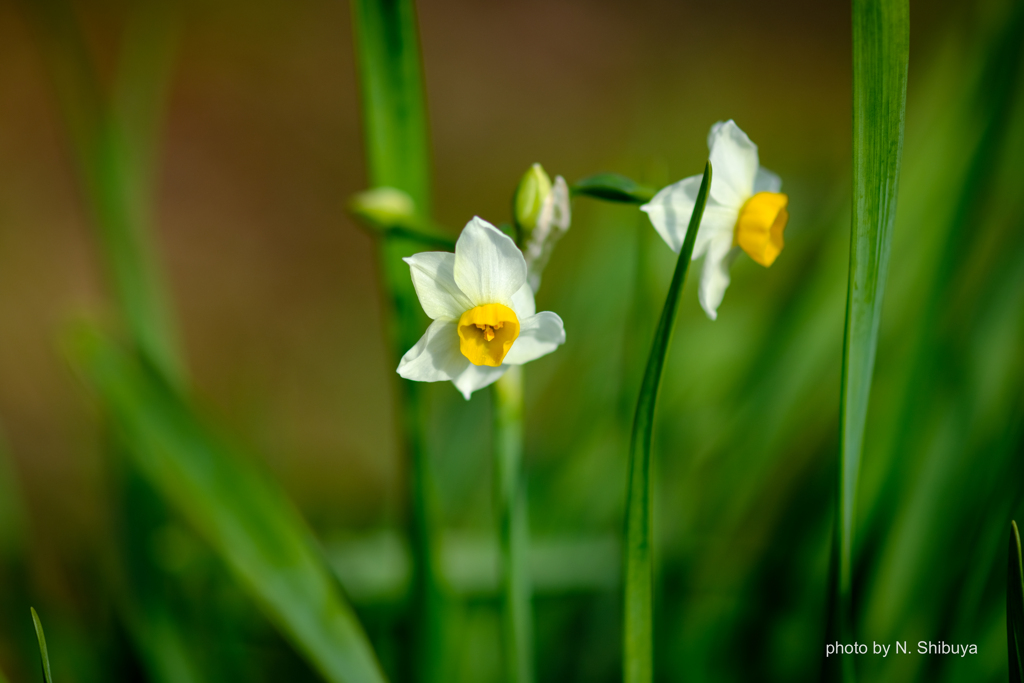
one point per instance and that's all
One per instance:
(766, 181)
(436, 356)
(714, 278)
(718, 223)
(433, 276)
(477, 377)
(671, 209)
(538, 336)
(733, 164)
(489, 268)
(523, 303)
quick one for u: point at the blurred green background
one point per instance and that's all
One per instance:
(276, 296)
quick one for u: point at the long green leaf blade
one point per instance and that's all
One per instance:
(881, 44)
(638, 662)
(1015, 608)
(612, 187)
(114, 149)
(44, 655)
(253, 527)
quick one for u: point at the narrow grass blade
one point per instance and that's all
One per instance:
(514, 531)
(254, 528)
(638, 663)
(1015, 608)
(881, 33)
(44, 655)
(398, 156)
(613, 187)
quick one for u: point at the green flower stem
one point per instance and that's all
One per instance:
(638, 656)
(514, 531)
(397, 156)
(881, 35)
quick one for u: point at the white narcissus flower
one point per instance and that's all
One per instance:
(745, 210)
(485, 318)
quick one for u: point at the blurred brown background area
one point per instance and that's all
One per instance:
(275, 287)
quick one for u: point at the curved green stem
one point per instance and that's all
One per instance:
(638, 660)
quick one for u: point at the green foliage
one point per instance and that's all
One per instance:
(613, 187)
(638, 664)
(249, 523)
(114, 138)
(44, 655)
(881, 35)
(742, 459)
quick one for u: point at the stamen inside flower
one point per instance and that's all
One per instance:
(486, 333)
(760, 225)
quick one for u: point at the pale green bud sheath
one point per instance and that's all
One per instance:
(534, 188)
(384, 205)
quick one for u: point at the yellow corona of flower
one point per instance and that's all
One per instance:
(485, 318)
(745, 211)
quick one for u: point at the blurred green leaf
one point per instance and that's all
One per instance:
(44, 655)
(248, 521)
(613, 187)
(1015, 607)
(113, 160)
(638, 664)
(881, 35)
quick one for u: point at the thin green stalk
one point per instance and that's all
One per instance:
(1015, 608)
(397, 155)
(514, 528)
(638, 660)
(881, 36)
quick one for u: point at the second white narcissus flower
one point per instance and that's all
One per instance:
(485, 318)
(745, 211)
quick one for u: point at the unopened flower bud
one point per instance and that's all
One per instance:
(528, 202)
(552, 222)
